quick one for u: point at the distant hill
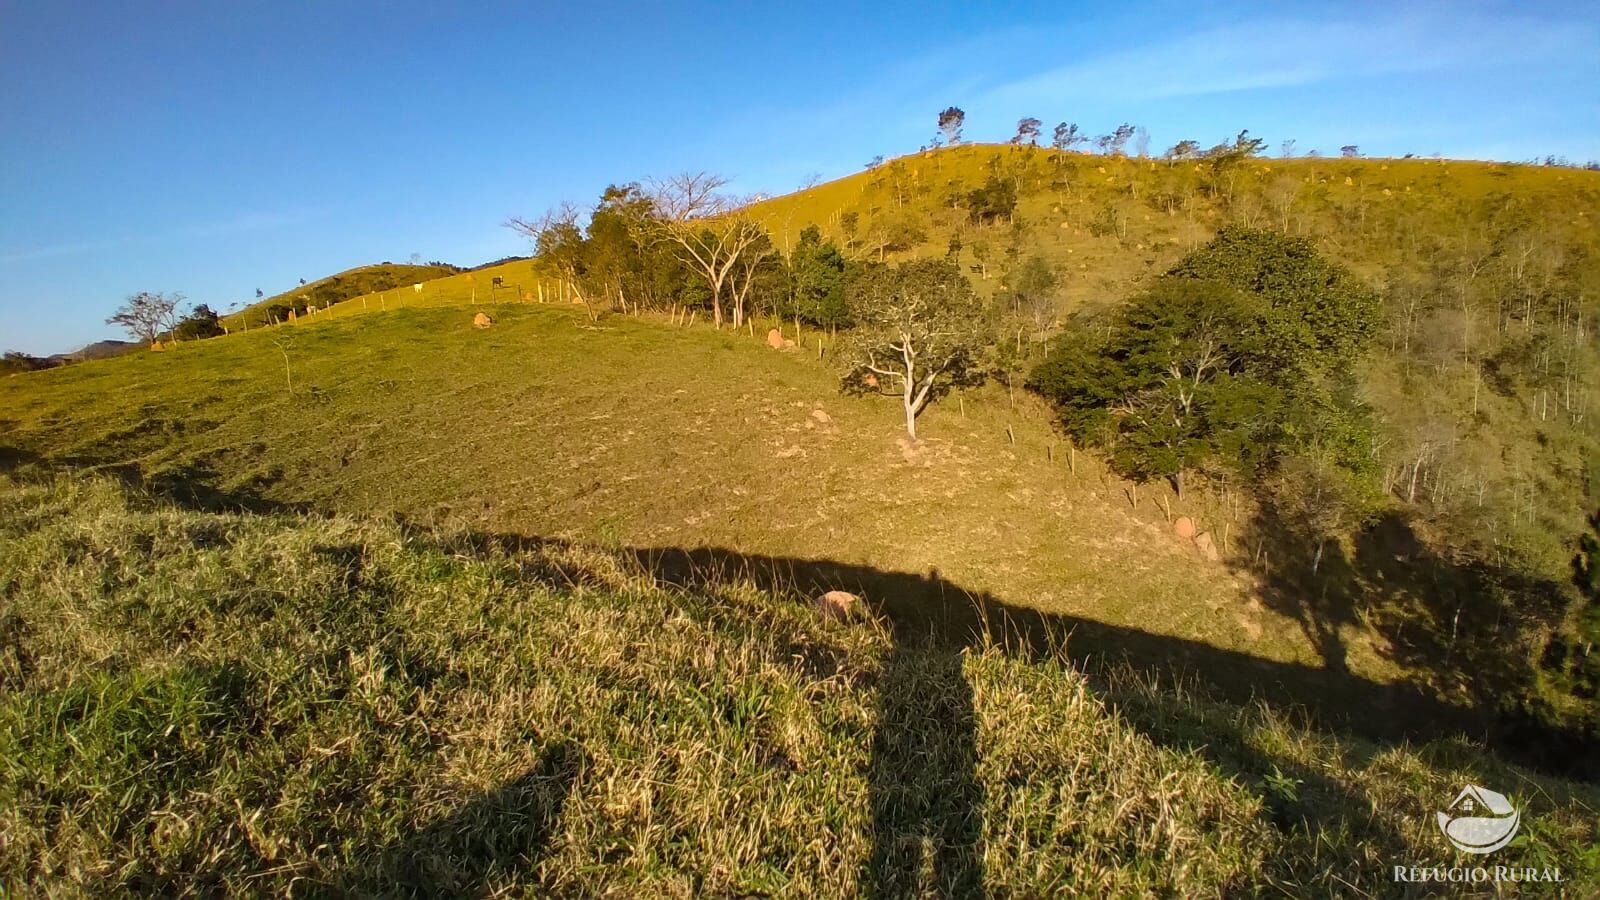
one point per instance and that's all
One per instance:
(333, 289)
(96, 350)
(15, 363)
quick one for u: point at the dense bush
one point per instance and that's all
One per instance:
(818, 279)
(201, 322)
(1240, 354)
(995, 200)
(15, 361)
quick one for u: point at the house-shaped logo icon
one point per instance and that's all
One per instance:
(1480, 820)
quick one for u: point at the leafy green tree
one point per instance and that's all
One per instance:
(1027, 132)
(995, 200)
(1239, 355)
(201, 322)
(1117, 141)
(1066, 137)
(850, 224)
(1032, 290)
(1323, 318)
(895, 231)
(1185, 149)
(817, 281)
(920, 330)
(624, 259)
(950, 122)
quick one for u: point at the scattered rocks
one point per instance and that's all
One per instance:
(482, 320)
(775, 339)
(838, 605)
(1184, 528)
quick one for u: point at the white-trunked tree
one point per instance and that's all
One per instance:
(920, 331)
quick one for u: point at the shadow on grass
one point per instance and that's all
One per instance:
(496, 838)
(1463, 627)
(926, 800)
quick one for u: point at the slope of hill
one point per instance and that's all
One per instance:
(707, 459)
(247, 703)
(334, 289)
(1486, 365)
(96, 350)
(637, 432)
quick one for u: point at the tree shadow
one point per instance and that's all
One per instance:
(194, 485)
(1465, 628)
(927, 803)
(14, 458)
(495, 838)
(1309, 580)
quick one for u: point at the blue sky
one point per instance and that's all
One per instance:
(214, 148)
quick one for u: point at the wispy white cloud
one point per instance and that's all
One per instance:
(256, 221)
(1003, 75)
(1258, 55)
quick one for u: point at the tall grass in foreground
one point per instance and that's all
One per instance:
(199, 703)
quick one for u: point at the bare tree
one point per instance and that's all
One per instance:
(146, 315)
(558, 241)
(1141, 142)
(713, 235)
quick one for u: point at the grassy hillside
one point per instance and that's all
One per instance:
(334, 289)
(556, 482)
(249, 703)
(1489, 272)
(639, 433)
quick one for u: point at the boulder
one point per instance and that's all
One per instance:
(838, 605)
(1207, 547)
(1184, 528)
(822, 417)
(482, 320)
(775, 339)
